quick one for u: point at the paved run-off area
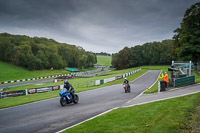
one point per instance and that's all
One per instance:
(173, 93)
(50, 116)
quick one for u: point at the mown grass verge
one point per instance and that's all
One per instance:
(11, 72)
(14, 101)
(104, 60)
(168, 116)
(197, 76)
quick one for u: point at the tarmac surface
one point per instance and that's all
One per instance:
(172, 93)
(49, 116)
(25, 83)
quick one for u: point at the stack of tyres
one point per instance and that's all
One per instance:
(162, 85)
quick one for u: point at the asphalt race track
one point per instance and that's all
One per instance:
(49, 116)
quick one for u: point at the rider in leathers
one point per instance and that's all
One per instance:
(69, 87)
(126, 82)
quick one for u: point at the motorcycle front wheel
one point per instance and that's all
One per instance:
(76, 98)
(62, 101)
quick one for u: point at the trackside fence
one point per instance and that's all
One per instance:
(184, 81)
(38, 78)
(103, 81)
(53, 88)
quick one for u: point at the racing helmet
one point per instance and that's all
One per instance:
(66, 82)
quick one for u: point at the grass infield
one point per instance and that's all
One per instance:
(104, 60)
(14, 101)
(169, 116)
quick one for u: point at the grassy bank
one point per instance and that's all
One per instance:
(197, 75)
(12, 72)
(104, 60)
(169, 116)
(80, 83)
(14, 101)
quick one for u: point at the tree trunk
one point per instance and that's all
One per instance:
(198, 65)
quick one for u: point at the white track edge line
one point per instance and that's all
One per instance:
(28, 103)
(57, 97)
(161, 99)
(144, 90)
(88, 119)
(96, 115)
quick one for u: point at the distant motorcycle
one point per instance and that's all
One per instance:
(66, 97)
(127, 88)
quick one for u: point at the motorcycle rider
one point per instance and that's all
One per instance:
(126, 82)
(69, 87)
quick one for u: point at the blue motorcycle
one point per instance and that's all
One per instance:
(66, 97)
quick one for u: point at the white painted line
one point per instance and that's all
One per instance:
(88, 119)
(96, 115)
(144, 90)
(161, 99)
(28, 103)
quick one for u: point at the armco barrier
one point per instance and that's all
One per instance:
(184, 81)
(97, 82)
(52, 88)
(103, 81)
(22, 80)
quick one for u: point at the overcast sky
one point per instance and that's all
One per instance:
(96, 25)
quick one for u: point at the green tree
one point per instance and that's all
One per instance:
(136, 56)
(82, 61)
(123, 58)
(187, 37)
(90, 59)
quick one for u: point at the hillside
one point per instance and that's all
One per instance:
(42, 53)
(104, 60)
(12, 72)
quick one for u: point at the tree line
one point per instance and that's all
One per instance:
(147, 54)
(42, 53)
(103, 54)
(184, 46)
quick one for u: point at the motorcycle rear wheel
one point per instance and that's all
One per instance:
(125, 90)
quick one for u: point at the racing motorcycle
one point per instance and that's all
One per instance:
(127, 88)
(66, 97)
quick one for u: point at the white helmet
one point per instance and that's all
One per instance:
(125, 78)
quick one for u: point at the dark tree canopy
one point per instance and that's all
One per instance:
(187, 37)
(42, 53)
(156, 53)
(184, 46)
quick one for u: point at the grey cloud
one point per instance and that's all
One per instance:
(96, 25)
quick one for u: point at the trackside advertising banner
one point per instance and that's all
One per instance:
(43, 89)
(29, 91)
(12, 93)
(52, 88)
